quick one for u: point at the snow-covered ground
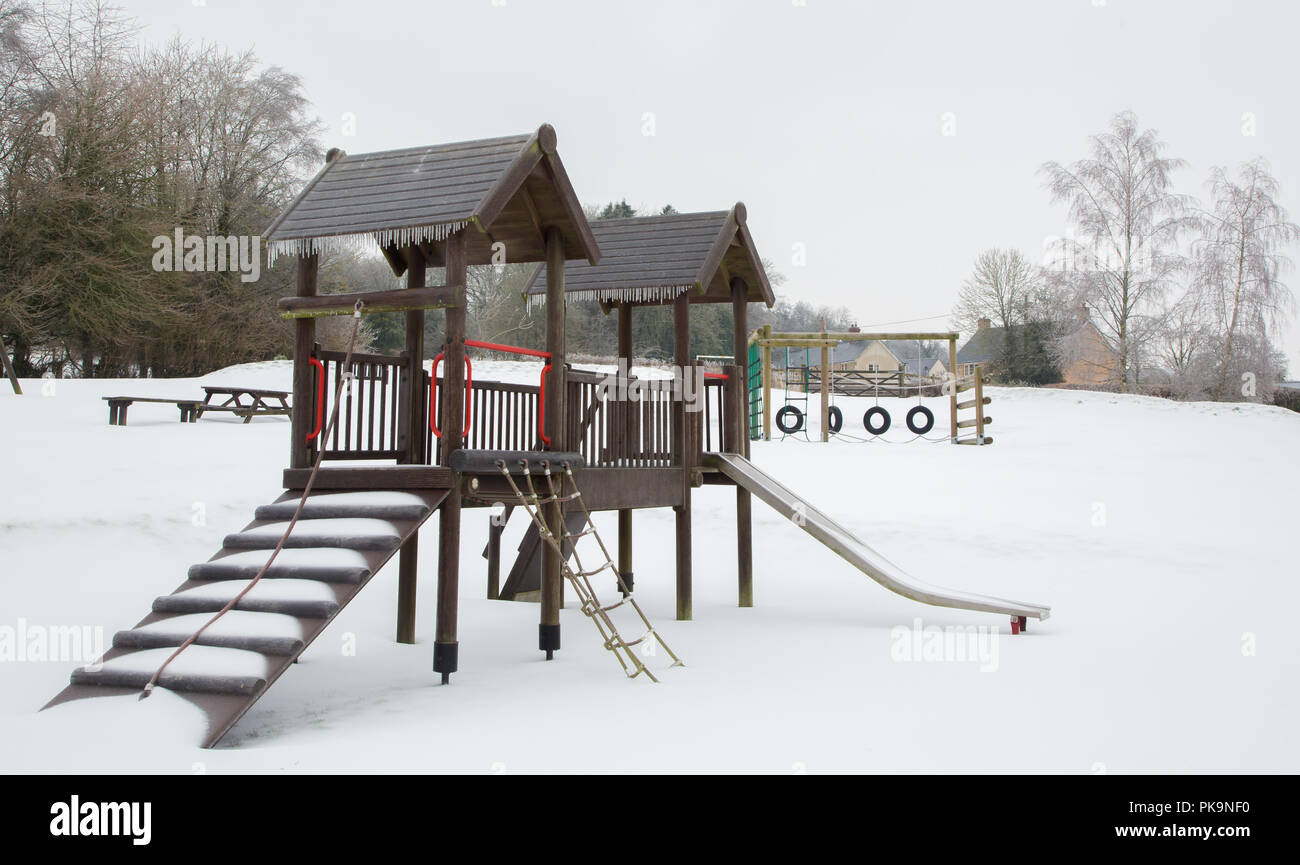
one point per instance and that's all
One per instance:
(1161, 534)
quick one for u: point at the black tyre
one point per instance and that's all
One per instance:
(925, 425)
(834, 419)
(785, 412)
(876, 412)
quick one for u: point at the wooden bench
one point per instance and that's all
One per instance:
(117, 406)
(245, 402)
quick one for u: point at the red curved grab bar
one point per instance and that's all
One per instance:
(541, 405)
(433, 395)
(715, 375)
(320, 397)
(469, 389)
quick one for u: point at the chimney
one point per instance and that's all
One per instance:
(983, 324)
(853, 328)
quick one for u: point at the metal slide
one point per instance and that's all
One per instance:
(858, 554)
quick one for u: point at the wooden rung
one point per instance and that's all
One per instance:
(971, 403)
(974, 440)
(963, 424)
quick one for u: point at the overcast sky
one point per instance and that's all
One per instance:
(826, 118)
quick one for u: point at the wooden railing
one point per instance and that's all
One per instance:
(614, 427)
(631, 427)
(369, 426)
(503, 416)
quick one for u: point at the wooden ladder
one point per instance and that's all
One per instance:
(580, 577)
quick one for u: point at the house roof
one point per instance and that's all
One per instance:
(985, 345)
(652, 259)
(848, 351)
(904, 351)
(510, 189)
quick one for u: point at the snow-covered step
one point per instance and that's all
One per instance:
(330, 557)
(204, 669)
(352, 534)
(327, 564)
(378, 504)
(266, 633)
(307, 599)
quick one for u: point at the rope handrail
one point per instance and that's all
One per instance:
(302, 501)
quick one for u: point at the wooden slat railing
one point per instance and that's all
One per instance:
(368, 427)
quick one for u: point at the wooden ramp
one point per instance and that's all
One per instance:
(526, 573)
(340, 542)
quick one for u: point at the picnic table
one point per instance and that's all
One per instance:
(245, 402)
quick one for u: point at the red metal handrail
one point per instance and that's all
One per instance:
(716, 375)
(508, 349)
(320, 397)
(541, 404)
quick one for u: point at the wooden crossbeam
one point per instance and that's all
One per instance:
(399, 300)
(776, 336)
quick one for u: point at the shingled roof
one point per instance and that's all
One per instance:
(652, 259)
(510, 189)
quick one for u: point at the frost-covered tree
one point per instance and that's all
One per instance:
(1239, 261)
(1126, 221)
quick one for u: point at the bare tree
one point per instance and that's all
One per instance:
(1239, 262)
(496, 307)
(1001, 288)
(1127, 221)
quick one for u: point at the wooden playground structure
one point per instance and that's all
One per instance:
(416, 441)
(862, 383)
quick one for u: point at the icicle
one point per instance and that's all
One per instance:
(352, 243)
(634, 294)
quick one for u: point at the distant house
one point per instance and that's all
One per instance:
(985, 348)
(885, 356)
(1089, 359)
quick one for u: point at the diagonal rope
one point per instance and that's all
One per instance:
(315, 469)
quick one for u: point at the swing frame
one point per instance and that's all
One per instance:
(768, 339)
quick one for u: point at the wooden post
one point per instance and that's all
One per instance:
(629, 430)
(415, 423)
(302, 415)
(446, 646)
(825, 387)
(744, 502)
(979, 404)
(952, 378)
(9, 370)
(548, 630)
(681, 445)
(767, 387)
(495, 528)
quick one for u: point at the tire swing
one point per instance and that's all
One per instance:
(834, 419)
(924, 426)
(781, 423)
(884, 420)
(876, 410)
(927, 424)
